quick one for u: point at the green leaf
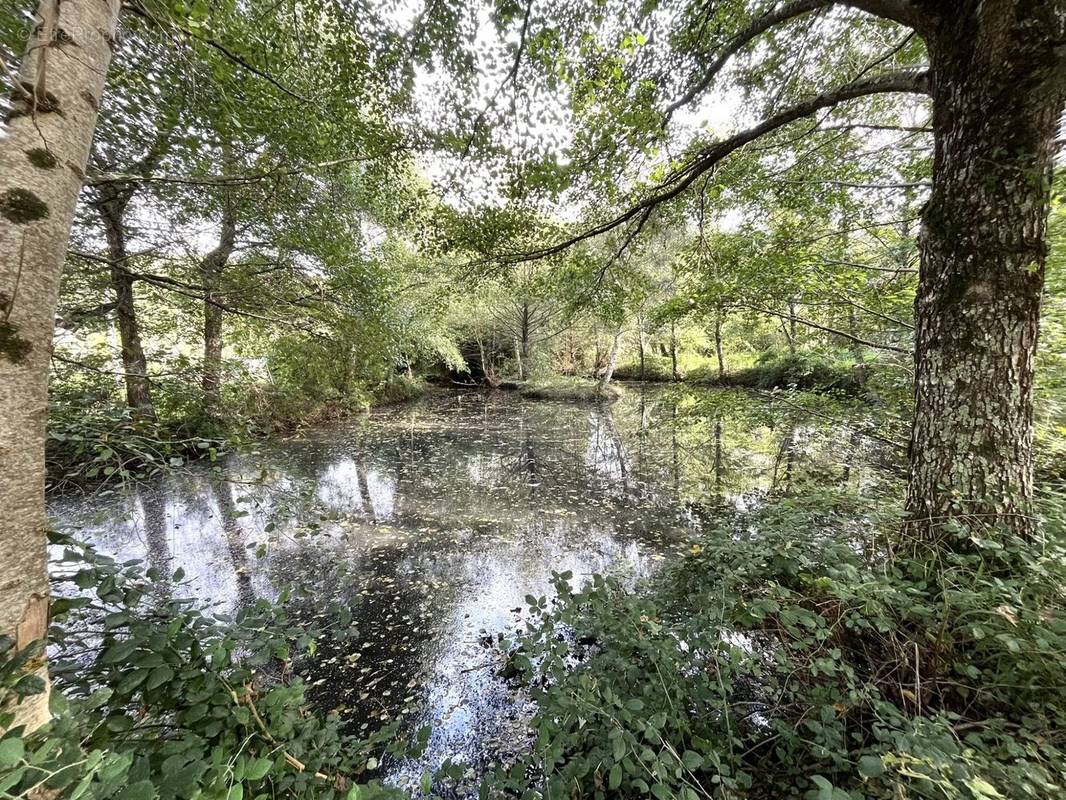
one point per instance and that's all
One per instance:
(141, 790)
(11, 751)
(614, 778)
(825, 788)
(158, 677)
(871, 766)
(257, 769)
(118, 652)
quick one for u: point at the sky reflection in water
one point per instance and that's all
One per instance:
(433, 521)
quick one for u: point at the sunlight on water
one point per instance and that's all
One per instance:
(434, 521)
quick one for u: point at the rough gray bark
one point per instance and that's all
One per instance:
(110, 202)
(998, 85)
(211, 268)
(48, 132)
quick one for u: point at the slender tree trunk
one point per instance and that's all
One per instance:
(673, 352)
(612, 359)
(524, 343)
(718, 345)
(48, 131)
(998, 90)
(110, 203)
(856, 349)
(520, 361)
(640, 344)
(791, 328)
(211, 269)
(488, 369)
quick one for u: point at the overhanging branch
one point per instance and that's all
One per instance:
(218, 180)
(681, 179)
(742, 39)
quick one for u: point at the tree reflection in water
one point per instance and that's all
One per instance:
(433, 521)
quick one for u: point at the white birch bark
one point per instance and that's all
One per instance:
(43, 152)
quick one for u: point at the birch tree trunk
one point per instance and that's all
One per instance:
(640, 344)
(612, 359)
(999, 83)
(48, 131)
(719, 353)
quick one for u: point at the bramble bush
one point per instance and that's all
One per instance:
(791, 654)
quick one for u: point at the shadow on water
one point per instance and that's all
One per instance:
(433, 521)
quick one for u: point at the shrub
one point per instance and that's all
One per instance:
(567, 388)
(790, 655)
(104, 444)
(398, 389)
(656, 369)
(802, 371)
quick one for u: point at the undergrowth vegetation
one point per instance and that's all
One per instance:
(567, 388)
(806, 371)
(797, 653)
(158, 697)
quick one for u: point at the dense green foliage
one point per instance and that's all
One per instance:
(797, 652)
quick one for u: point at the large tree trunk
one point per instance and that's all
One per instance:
(211, 269)
(998, 90)
(43, 154)
(110, 203)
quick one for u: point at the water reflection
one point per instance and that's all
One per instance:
(432, 522)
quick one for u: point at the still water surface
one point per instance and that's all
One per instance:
(433, 521)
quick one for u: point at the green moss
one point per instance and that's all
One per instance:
(22, 206)
(41, 158)
(12, 346)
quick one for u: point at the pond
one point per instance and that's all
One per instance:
(434, 520)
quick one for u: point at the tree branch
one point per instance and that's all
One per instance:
(834, 331)
(904, 12)
(709, 156)
(738, 42)
(217, 180)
